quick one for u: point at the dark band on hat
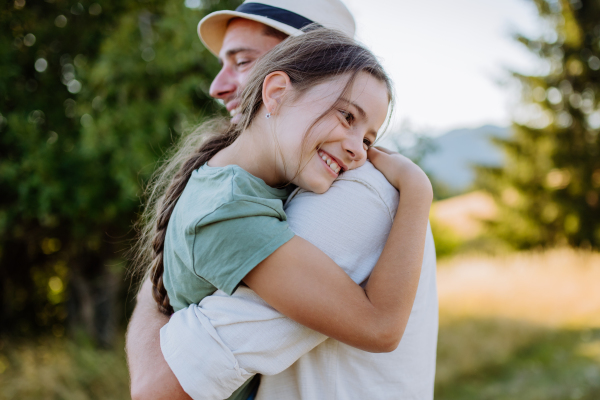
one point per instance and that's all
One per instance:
(275, 13)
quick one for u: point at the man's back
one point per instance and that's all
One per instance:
(226, 339)
(334, 370)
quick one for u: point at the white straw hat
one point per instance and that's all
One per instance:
(287, 16)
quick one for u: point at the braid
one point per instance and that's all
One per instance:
(309, 59)
(166, 206)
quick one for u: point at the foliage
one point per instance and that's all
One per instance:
(91, 95)
(447, 242)
(548, 190)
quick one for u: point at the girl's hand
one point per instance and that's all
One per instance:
(398, 169)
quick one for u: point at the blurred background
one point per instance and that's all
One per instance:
(496, 101)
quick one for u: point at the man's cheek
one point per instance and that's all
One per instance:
(243, 76)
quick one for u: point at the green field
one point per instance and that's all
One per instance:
(56, 368)
(522, 326)
(503, 359)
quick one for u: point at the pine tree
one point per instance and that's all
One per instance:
(548, 189)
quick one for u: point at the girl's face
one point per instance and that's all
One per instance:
(340, 140)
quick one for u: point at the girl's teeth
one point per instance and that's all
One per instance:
(332, 164)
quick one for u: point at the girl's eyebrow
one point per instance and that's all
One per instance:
(362, 112)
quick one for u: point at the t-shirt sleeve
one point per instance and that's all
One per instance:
(232, 240)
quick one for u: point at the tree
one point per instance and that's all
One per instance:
(548, 189)
(91, 94)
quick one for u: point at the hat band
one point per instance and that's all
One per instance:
(275, 13)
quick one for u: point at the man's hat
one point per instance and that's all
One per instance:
(287, 16)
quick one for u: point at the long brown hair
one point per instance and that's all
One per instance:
(309, 59)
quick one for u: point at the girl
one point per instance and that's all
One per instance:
(311, 110)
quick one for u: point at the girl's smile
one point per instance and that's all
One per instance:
(331, 163)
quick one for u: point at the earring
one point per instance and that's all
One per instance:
(268, 116)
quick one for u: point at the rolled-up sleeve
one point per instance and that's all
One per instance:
(204, 344)
(205, 367)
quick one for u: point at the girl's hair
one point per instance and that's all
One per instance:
(312, 58)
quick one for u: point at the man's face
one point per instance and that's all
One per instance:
(243, 44)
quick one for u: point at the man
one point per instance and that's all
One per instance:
(215, 347)
(243, 44)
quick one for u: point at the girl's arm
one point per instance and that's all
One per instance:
(303, 283)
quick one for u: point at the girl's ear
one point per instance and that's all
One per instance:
(275, 86)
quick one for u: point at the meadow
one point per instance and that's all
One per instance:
(514, 326)
(519, 326)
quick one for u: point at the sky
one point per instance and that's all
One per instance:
(449, 59)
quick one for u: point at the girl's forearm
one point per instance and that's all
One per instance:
(303, 283)
(392, 287)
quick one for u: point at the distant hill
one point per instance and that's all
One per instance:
(454, 153)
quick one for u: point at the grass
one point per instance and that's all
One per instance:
(519, 326)
(59, 369)
(555, 288)
(512, 360)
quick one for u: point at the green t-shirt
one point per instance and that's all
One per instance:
(224, 224)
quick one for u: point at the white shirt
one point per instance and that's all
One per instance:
(217, 345)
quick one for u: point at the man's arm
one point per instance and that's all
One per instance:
(151, 377)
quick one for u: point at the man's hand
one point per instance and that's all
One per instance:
(151, 377)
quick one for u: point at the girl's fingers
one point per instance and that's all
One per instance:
(373, 152)
(386, 164)
(376, 153)
(383, 149)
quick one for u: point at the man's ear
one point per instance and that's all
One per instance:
(275, 86)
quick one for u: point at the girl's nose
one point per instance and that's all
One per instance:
(354, 148)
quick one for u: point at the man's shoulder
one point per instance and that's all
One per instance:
(361, 187)
(373, 182)
(367, 175)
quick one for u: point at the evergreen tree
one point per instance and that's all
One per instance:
(91, 95)
(548, 189)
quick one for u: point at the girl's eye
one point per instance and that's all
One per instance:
(367, 142)
(241, 63)
(348, 116)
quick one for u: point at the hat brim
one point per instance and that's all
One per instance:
(212, 28)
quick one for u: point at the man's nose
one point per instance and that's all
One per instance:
(223, 85)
